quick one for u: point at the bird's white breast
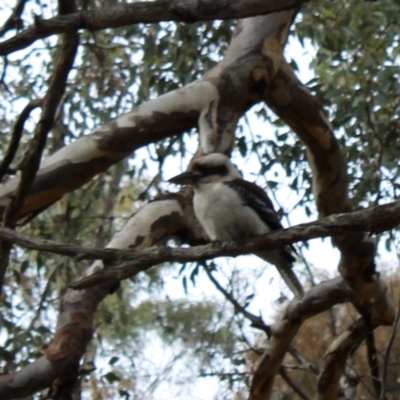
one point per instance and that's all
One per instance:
(223, 215)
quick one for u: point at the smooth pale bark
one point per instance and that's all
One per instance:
(157, 220)
(293, 102)
(304, 114)
(215, 102)
(375, 219)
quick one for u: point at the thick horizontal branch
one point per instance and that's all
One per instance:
(118, 15)
(374, 220)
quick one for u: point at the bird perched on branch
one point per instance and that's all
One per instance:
(230, 208)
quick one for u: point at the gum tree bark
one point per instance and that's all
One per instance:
(75, 323)
(215, 103)
(251, 71)
(292, 102)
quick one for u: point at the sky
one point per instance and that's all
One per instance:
(268, 286)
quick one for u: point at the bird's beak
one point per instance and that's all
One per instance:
(186, 178)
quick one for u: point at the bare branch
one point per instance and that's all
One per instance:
(206, 103)
(369, 219)
(318, 299)
(256, 322)
(371, 350)
(288, 380)
(303, 361)
(145, 12)
(16, 136)
(148, 226)
(31, 162)
(14, 20)
(375, 219)
(348, 341)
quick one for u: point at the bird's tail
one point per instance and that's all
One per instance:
(284, 265)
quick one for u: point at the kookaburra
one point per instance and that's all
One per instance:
(230, 208)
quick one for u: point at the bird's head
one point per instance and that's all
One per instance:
(213, 167)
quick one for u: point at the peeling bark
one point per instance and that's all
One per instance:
(251, 62)
(215, 102)
(75, 322)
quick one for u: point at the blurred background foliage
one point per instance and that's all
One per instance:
(169, 331)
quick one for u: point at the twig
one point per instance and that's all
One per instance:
(387, 354)
(14, 20)
(225, 374)
(371, 351)
(301, 359)
(287, 379)
(256, 322)
(3, 75)
(16, 136)
(33, 156)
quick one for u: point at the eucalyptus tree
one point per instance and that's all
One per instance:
(86, 84)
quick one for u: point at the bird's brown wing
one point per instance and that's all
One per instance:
(254, 197)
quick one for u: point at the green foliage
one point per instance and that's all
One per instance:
(357, 78)
(356, 71)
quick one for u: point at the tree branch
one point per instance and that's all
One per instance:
(316, 300)
(256, 322)
(145, 12)
(347, 343)
(14, 20)
(31, 162)
(371, 350)
(246, 70)
(288, 380)
(375, 219)
(16, 136)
